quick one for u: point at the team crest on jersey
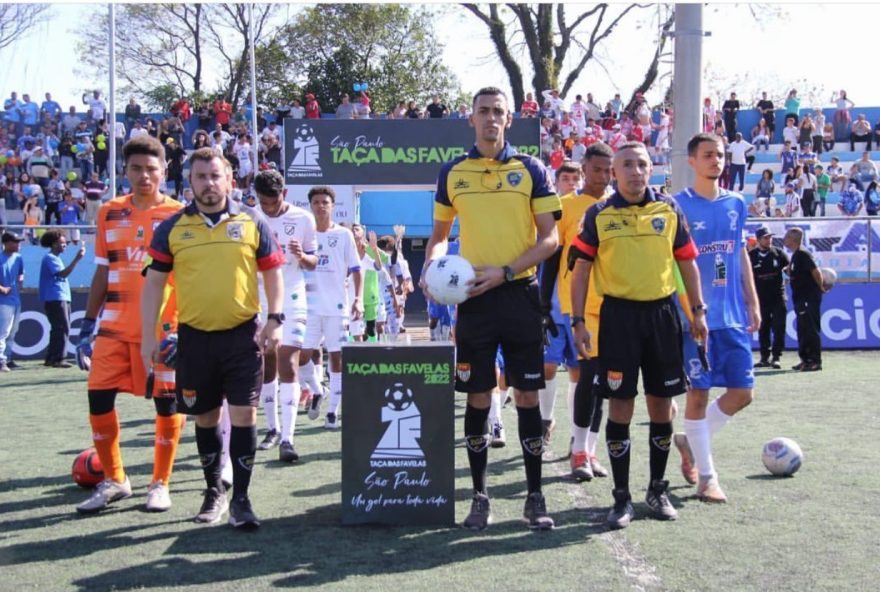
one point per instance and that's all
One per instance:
(234, 231)
(331, 241)
(615, 379)
(514, 178)
(658, 224)
(189, 397)
(140, 232)
(462, 184)
(463, 371)
(289, 229)
(734, 218)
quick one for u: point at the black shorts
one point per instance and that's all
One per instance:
(214, 364)
(642, 336)
(508, 316)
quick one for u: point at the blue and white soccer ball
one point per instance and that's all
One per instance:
(398, 397)
(168, 350)
(782, 456)
(447, 279)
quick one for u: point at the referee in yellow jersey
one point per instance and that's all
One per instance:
(506, 208)
(630, 243)
(216, 248)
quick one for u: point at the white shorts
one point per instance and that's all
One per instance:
(381, 315)
(293, 331)
(334, 331)
(357, 328)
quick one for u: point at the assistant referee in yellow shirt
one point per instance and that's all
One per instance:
(630, 244)
(506, 207)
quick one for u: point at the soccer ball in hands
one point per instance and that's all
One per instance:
(447, 279)
(782, 456)
(829, 277)
(87, 469)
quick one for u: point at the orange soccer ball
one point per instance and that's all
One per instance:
(87, 469)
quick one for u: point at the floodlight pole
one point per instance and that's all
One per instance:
(111, 141)
(686, 88)
(252, 43)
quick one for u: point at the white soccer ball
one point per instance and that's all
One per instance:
(447, 279)
(829, 277)
(782, 456)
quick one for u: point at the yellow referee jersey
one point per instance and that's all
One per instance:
(495, 200)
(574, 206)
(634, 246)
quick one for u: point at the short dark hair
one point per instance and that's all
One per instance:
(50, 237)
(322, 190)
(144, 144)
(698, 139)
(207, 155)
(269, 183)
(598, 149)
(568, 166)
(632, 145)
(492, 91)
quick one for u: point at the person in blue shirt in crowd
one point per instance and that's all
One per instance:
(872, 199)
(851, 201)
(12, 107)
(30, 112)
(11, 278)
(55, 294)
(51, 108)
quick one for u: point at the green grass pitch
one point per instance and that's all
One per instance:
(819, 530)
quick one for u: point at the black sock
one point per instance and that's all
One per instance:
(617, 440)
(660, 435)
(596, 421)
(531, 431)
(583, 393)
(242, 448)
(209, 442)
(477, 445)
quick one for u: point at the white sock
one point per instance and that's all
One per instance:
(592, 439)
(444, 332)
(716, 418)
(579, 444)
(269, 399)
(289, 395)
(335, 391)
(571, 388)
(547, 400)
(306, 374)
(495, 408)
(700, 441)
(435, 333)
(226, 432)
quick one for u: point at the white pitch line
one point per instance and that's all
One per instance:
(641, 575)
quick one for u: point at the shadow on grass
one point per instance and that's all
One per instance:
(326, 552)
(768, 477)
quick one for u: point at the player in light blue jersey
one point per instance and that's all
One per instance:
(716, 220)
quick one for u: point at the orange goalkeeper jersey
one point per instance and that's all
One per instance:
(124, 235)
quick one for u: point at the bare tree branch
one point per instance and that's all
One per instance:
(16, 21)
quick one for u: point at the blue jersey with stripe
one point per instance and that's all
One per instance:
(718, 228)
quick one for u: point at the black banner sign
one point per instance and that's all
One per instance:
(384, 152)
(398, 461)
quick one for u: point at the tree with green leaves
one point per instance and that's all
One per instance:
(391, 47)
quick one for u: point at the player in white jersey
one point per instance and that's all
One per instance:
(329, 306)
(294, 229)
(244, 154)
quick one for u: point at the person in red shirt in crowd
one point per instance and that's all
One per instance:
(529, 107)
(590, 137)
(618, 138)
(313, 109)
(182, 109)
(557, 157)
(222, 111)
(637, 135)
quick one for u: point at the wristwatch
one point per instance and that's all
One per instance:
(508, 273)
(699, 307)
(278, 317)
(576, 320)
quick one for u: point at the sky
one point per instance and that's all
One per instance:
(741, 51)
